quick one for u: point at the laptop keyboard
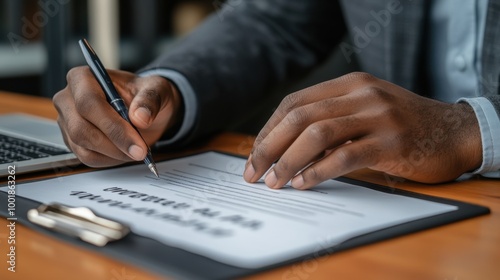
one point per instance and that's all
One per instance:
(14, 149)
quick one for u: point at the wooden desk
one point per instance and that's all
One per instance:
(468, 249)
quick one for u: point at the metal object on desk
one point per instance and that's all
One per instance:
(78, 222)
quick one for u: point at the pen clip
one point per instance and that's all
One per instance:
(78, 222)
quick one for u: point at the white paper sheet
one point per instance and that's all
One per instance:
(202, 204)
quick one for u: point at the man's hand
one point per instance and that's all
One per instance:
(96, 133)
(359, 121)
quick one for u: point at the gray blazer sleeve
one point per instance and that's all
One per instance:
(241, 52)
(495, 100)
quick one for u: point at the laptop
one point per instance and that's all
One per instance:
(31, 144)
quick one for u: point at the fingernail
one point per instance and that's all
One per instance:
(136, 152)
(143, 114)
(271, 179)
(298, 182)
(249, 172)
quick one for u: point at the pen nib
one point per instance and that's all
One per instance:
(153, 169)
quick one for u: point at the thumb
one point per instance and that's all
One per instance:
(152, 95)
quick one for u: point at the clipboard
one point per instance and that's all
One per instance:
(174, 262)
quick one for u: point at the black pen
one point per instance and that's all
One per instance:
(112, 95)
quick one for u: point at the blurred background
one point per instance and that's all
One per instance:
(38, 42)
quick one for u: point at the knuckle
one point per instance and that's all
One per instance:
(74, 73)
(76, 130)
(361, 77)
(151, 99)
(78, 135)
(377, 94)
(372, 154)
(152, 95)
(87, 157)
(313, 174)
(84, 136)
(329, 105)
(290, 101)
(259, 152)
(261, 158)
(115, 132)
(296, 116)
(346, 157)
(394, 116)
(319, 132)
(282, 167)
(58, 100)
(61, 124)
(83, 105)
(71, 73)
(260, 137)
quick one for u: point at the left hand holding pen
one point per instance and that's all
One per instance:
(358, 121)
(97, 134)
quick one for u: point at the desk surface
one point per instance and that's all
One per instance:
(468, 249)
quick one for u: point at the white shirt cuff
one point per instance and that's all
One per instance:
(489, 124)
(189, 98)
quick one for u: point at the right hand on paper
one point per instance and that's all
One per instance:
(97, 134)
(359, 121)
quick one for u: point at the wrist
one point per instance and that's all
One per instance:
(471, 152)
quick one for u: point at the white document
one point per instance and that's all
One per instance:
(202, 204)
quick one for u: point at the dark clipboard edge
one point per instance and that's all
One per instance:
(180, 264)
